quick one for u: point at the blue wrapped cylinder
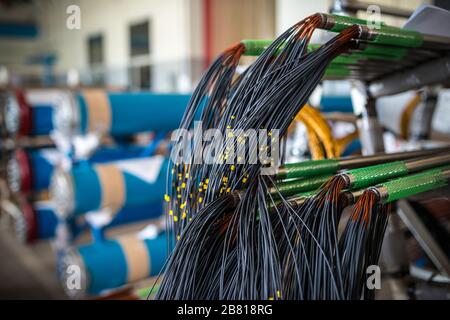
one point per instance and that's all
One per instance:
(41, 169)
(42, 120)
(137, 213)
(139, 112)
(85, 188)
(25, 116)
(336, 104)
(122, 152)
(113, 263)
(31, 170)
(119, 114)
(46, 221)
(125, 216)
(38, 222)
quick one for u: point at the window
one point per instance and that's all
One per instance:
(95, 49)
(141, 77)
(139, 39)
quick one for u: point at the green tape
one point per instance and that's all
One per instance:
(397, 37)
(337, 71)
(255, 47)
(384, 52)
(386, 35)
(414, 184)
(343, 22)
(351, 59)
(364, 177)
(289, 188)
(309, 168)
(145, 292)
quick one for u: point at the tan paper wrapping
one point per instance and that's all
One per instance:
(99, 110)
(137, 257)
(112, 183)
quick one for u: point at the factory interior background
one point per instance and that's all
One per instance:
(92, 205)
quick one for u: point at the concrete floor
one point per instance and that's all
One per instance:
(26, 271)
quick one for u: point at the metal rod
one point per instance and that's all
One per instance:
(436, 71)
(383, 157)
(427, 163)
(423, 236)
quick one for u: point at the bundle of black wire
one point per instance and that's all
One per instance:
(235, 253)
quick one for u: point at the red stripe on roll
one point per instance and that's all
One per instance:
(25, 114)
(25, 171)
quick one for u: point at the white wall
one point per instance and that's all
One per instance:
(175, 35)
(289, 12)
(112, 18)
(14, 52)
(169, 20)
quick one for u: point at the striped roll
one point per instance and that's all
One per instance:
(111, 264)
(119, 114)
(115, 185)
(30, 170)
(26, 116)
(38, 221)
(39, 111)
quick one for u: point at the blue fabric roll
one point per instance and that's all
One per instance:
(41, 170)
(87, 189)
(106, 264)
(46, 223)
(336, 104)
(42, 120)
(126, 216)
(107, 154)
(137, 213)
(140, 112)
(158, 253)
(354, 146)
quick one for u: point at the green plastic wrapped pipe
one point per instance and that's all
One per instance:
(350, 59)
(310, 168)
(255, 47)
(289, 188)
(337, 23)
(410, 185)
(383, 52)
(337, 71)
(144, 293)
(386, 35)
(367, 176)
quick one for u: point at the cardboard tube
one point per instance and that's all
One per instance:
(99, 110)
(112, 183)
(137, 257)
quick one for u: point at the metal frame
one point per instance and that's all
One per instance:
(423, 236)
